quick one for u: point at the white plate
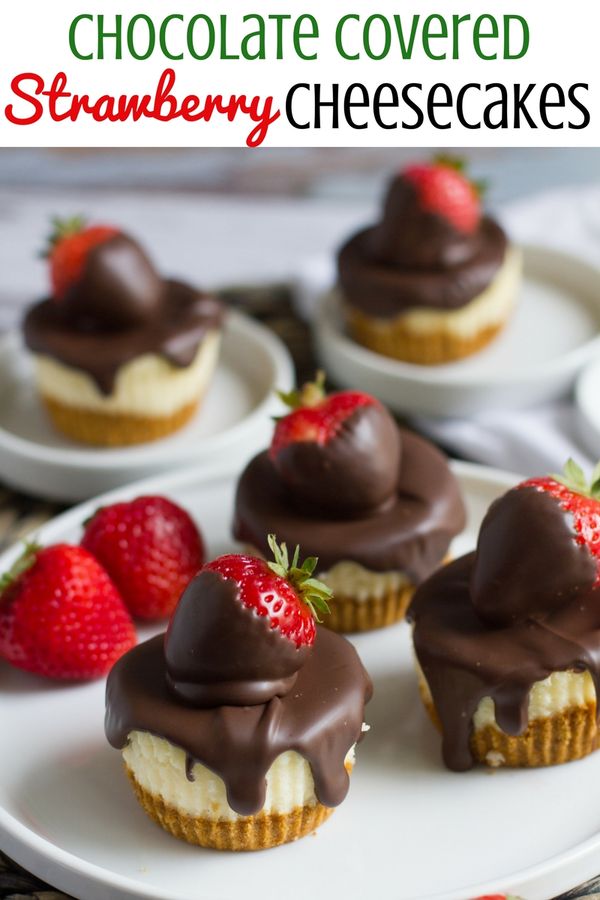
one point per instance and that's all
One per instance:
(408, 829)
(233, 422)
(552, 334)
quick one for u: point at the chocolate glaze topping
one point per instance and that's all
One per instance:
(219, 651)
(321, 718)
(469, 650)
(317, 476)
(417, 259)
(410, 533)
(119, 310)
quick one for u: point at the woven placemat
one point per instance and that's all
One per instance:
(21, 516)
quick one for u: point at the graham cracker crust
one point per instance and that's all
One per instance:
(394, 339)
(563, 737)
(347, 614)
(259, 832)
(114, 429)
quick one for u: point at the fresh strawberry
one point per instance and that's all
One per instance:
(580, 498)
(443, 189)
(70, 243)
(497, 897)
(314, 416)
(61, 616)
(151, 549)
(284, 592)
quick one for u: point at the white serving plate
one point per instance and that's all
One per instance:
(552, 334)
(233, 422)
(409, 829)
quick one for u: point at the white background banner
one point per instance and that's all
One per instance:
(319, 74)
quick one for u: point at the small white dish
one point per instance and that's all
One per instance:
(408, 828)
(552, 334)
(233, 422)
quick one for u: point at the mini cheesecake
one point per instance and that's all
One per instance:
(507, 639)
(430, 283)
(233, 735)
(377, 504)
(122, 356)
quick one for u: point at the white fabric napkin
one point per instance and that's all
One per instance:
(528, 442)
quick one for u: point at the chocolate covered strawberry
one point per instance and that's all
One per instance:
(538, 547)
(442, 188)
(282, 590)
(579, 498)
(101, 276)
(243, 628)
(70, 244)
(150, 547)
(61, 616)
(431, 220)
(339, 451)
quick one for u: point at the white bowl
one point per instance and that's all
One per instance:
(552, 334)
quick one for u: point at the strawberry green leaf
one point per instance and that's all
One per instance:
(310, 394)
(573, 478)
(451, 162)
(481, 186)
(313, 592)
(62, 228)
(575, 473)
(296, 557)
(20, 566)
(596, 482)
(309, 565)
(290, 398)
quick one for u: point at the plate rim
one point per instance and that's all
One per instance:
(328, 313)
(588, 423)
(81, 458)
(33, 851)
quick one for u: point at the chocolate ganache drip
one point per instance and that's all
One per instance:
(119, 309)
(492, 623)
(234, 695)
(410, 531)
(355, 472)
(217, 651)
(416, 258)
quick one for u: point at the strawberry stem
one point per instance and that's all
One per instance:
(451, 162)
(63, 228)
(312, 591)
(459, 165)
(573, 477)
(310, 394)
